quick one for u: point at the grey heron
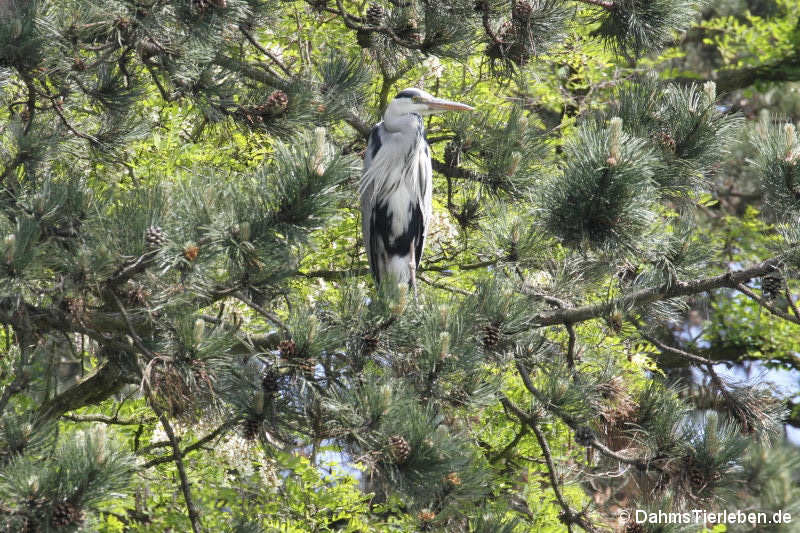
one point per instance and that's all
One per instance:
(396, 187)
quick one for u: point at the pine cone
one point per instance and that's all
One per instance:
(399, 449)
(509, 47)
(370, 344)
(453, 479)
(250, 428)
(696, 479)
(452, 154)
(409, 31)
(319, 5)
(627, 272)
(270, 380)
(491, 335)
(288, 348)
(631, 526)
(276, 103)
(66, 514)
(375, 15)
(136, 294)
(584, 436)
(771, 285)
(666, 140)
(190, 252)
(364, 38)
(613, 389)
(155, 237)
(615, 321)
(201, 6)
(521, 12)
(308, 367)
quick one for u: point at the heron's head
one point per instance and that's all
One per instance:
(422, 103)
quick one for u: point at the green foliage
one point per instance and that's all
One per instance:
(604, 197)
(86, 470)
(636, 27)
(181, 250)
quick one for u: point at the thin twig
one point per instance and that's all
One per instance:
(643, 465)
(605, 4)
(571, 345)
(263, 312)
(792, 305)
(486, 26)
(112, 420)
(570, 515)
(692, 358)
(766, 305)
(438, 285)
(266, 51)
(192, 447)
(177, 456)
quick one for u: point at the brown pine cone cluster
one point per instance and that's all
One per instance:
(275, 105)
(288, 348)
(202, 6)
(491, 335)
(771, 285)
(250, 428)
(399, 449)
(66, 514)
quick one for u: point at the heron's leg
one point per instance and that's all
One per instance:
(412, 268)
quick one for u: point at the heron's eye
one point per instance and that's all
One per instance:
(416, 99)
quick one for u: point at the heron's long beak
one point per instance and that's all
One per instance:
(436, 104)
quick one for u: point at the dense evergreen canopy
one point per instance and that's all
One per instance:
(190, 336)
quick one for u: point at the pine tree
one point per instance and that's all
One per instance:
(571, 243)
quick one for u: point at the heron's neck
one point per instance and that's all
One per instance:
(408, 122)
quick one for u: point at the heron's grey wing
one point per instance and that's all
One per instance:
(425, 197)
(373, 146)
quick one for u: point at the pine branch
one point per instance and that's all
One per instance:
(265, 77)
(101, 383)
(265, 51)
(178, 458)
(605, 4)
(455, 172)
(56, 106)
(111, 420)
(570, 516)
(677, 289)
(485, 21)
(784, 70)
(251, 72)
(263, 312)
(642, 464)
(351, 22)
(192, 447)
(454, 290)
(130, 268)
(766, 305)
(692, 358)
(176, 450)
(333, 275)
